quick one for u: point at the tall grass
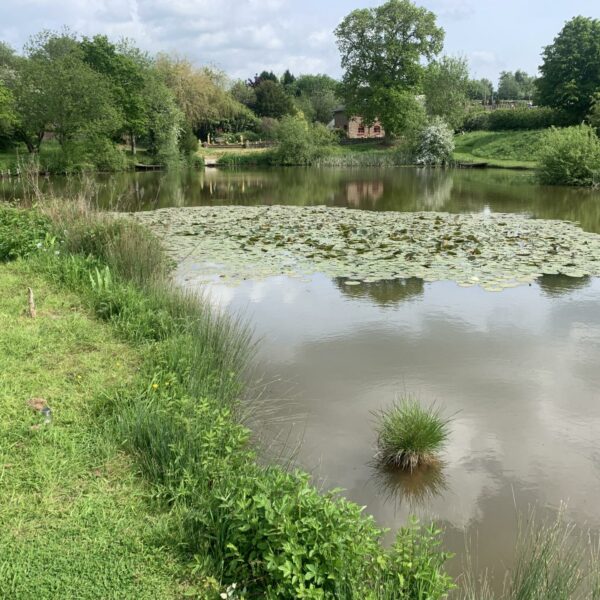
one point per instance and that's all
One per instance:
(554, 561)
(409, 435)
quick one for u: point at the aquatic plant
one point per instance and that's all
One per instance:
(492, 251)
(409, 435)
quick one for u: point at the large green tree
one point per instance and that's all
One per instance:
(446, 85)
(127, 76)
(272, 100)
(316, 96)
(382, 51)
(570, 72)
(480, 89)
(56, 91)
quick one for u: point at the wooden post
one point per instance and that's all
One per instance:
(32, 311)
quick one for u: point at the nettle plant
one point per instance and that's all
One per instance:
(435, 143)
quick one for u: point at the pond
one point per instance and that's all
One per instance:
(517, 369)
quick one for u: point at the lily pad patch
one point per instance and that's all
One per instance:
(492, 251)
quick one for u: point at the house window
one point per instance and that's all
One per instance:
(377, 129)
(346, 127)
(361, 130)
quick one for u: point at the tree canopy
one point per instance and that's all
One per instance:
(382, 51)
(446, 84)
(516, 86)
(570, 72)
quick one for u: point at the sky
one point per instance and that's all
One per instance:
(243, 37)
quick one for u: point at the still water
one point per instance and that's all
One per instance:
(518, 370)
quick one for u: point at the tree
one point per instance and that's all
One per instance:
(7, 113)
(55, 90)
(516, 86)
(446, 84)
(570, 73)
(382, 51)
(316, 96)
(287, 79)
(480, 89)
(243, 93)
(200, 93)
(127, 76)
(264, 76)
(271, 100)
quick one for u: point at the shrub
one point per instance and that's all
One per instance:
(410, 435)
(505, 119)
(435, 144)
(300, 142)
(22, 233)
(570, 156)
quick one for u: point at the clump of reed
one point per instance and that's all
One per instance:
(553, 561)
(410, 435)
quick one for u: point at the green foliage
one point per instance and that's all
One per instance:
(446, 84)
(435, 144)
(271, 100)
(480, 89)
(316, 96)
(570, 73)
(505, 119)
(570, 156)
(382, 52)
(410, 435)
(22, 233)
(299, 142)
(516, 86)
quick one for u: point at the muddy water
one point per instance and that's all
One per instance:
(519, 370)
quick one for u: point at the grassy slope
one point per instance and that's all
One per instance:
(74, 521)
(508, 149)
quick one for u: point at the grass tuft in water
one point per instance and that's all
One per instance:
(410, 435)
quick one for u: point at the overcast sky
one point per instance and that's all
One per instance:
(243, 37)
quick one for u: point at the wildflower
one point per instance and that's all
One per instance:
(155, 386)
(38, 245)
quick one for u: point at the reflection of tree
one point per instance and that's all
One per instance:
(559, 285)
(387, 292)
(416, 487)
(437, 185)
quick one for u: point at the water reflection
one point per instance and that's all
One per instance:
(518, 368)
(384, 292)
(403, 189)
(558, 285)
(414, 488)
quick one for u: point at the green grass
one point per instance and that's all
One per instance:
(505, 149)
(409, 435)
(75, 520)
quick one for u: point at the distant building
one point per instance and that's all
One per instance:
(355, 127)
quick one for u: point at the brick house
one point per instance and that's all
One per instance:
(354, 126)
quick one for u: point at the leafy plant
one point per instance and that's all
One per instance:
(22, 232)
(410, 435)
(570, 156)
(435, 144)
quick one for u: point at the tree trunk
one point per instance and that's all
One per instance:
(133, 144)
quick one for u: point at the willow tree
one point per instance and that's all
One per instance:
(383, 50)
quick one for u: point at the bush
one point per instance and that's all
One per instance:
(301, 143)
(505, 119)
(435, 144)
(22, 233)
(410, 435)
(570, 156)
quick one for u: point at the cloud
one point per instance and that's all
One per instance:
(240, 36)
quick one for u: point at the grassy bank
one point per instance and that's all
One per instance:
(503, 149)
(75, 521)
(232, 525)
